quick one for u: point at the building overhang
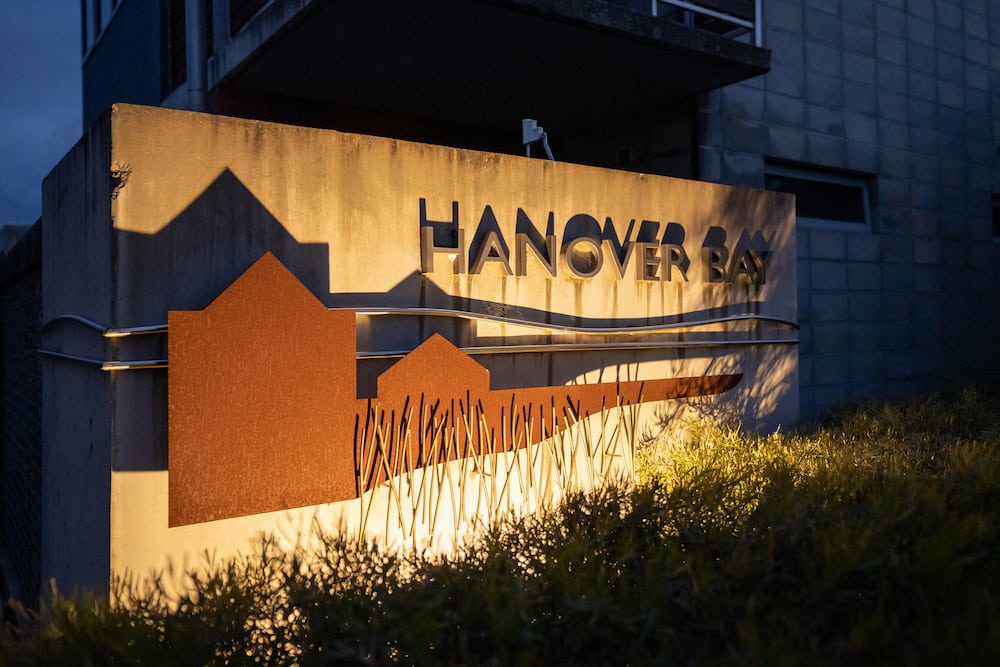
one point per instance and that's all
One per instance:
(487, 63)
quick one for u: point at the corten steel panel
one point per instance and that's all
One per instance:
(437, 386)
(261, 387)
(264, 414)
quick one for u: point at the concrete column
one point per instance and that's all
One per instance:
(220, 25)
(196, 32)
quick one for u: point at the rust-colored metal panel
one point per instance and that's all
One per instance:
(264, 413)
(444, 396)
(261, 386)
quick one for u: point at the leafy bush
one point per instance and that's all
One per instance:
(873, 538)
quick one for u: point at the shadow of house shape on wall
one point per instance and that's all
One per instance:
(226, 228)
(223, 231)
(262, 385)
(216, 238)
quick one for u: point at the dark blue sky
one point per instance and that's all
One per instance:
(40, 108)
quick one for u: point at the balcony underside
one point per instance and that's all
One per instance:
(487, 63)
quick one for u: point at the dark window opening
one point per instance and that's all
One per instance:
(821, 196)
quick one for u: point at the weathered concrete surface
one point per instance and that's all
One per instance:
(906, 95)
(239, 187)
(196, 199)
(77, 413)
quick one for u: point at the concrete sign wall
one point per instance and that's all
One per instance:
(541, 273)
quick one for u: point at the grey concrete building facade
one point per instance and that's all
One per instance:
(903, 95)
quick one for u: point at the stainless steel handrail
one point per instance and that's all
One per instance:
(105, 331)
(106, 364)
(693, 6)
(567, 328)
(699, 9)
(123, 332)
(144, 364)
(592, 347)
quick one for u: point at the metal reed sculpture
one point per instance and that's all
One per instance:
(263, 411)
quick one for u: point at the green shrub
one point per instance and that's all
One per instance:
(873, 538)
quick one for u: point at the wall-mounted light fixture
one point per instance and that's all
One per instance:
(532, 133)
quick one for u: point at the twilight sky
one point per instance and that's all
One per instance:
(40, 106)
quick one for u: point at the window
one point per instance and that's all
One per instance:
(996, 217)
(823, 198)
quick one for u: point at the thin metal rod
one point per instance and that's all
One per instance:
(90, 324)
(590, 347)
(105, 331)
(597, 331)
(698, 9)
(136, 331)
(545, 145)
(142, 364)
(105, 365)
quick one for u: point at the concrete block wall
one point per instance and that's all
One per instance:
(907, 94)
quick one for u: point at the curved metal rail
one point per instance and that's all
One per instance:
(593, 347)
(123, 332)
(571, 329)
(105, 331)
(106, 364)
(144, 364)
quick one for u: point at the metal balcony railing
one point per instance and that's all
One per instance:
(736, 19)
